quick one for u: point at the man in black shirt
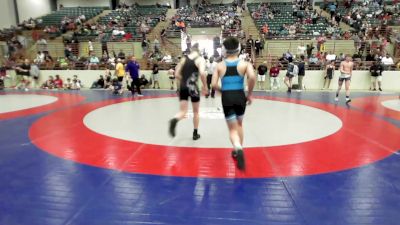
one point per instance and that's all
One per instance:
(23, 75)
(262, 70)
(376, 75)
(309, 50)
(302, 72)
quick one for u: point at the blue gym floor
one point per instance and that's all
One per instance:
(38, 188)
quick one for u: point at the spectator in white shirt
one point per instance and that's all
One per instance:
(330, 57)
(387, 60)
(39, 58)
(167, 58)
(301, 49)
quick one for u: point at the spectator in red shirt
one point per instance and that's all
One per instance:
(58, 82)
(273, 77)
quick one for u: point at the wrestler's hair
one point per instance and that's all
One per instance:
(231, 45)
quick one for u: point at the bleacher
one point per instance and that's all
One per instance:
(372, 21)
(55, 17)
(133, 16)
(285, 17)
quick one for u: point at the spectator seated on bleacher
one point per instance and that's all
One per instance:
(167, 58)
(313, 60)
(387, 61)
(93, 62)
(121, 54)
(63, 62)
(39, 58)
(118, 32)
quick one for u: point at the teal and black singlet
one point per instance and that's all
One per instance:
(232, 89)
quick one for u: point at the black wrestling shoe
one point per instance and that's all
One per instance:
(196, 136)
(234, 154)
(172, 126)
(240, 159)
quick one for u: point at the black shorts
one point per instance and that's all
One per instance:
(341, 79)
(289, 75)
(234, 104)
(120, 79)
(184, 95)
(329, 76)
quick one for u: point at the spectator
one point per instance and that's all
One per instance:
(302, 72)
(330, 57)
(143, 81)
(49, 83)
(376, 75)
(329, 72)
(171, 76)
(301, 49)
(35, 74)
(156, 45)
(320, 43)
(99, 83)
(47, 57)
(68, 84)
(58, 82)
(313, 60)
(262, 70)
(121, 54)
(167, 58)
(156, 76)
(387, 61)
(273, 77)
(39, 58)
(90, 47)
(257, 46)
(309, 50)
(68, 52)
(93, 62)
(76, 83)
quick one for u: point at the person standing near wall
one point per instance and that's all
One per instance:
(329, 72)
(376, 75)
(302, 72)
(210, 65)
(120, 73)
(262, 70)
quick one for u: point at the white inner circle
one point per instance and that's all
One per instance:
(15, 102)
(392, 104)
(266, 123)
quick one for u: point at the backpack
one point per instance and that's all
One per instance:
(293, 69)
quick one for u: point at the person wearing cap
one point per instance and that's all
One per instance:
(232, 72)
(187, 73)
